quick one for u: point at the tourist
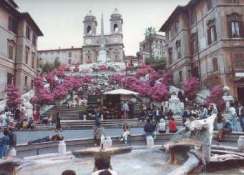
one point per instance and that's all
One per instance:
(126, 133)
(125, 109)
(103, 164)
(149, 128)
(5, 119)
(185, 116)
(204, 112)
(162, 126)
(4, 143)
(181, 97)
(172, 125)
(158, 115)
(241, 117)
(58, 122)
(222, 126)
(17, 115)
(56, 137)
(233, 117)
(98, 132)
(12, 138)
(170, 114)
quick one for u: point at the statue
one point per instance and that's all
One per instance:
(227, 97)
(175, 105)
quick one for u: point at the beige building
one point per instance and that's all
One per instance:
(152, 47)
(18, 47)
(205, 38)
(114, 45)
(64, 56)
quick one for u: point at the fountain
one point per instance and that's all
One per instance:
(189, 152)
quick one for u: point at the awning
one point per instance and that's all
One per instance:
(121, 92)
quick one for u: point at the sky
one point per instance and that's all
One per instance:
(61, 21)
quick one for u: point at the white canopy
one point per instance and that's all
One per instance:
(121, 92)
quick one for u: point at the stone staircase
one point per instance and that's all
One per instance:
(66, 113)
(109, 123)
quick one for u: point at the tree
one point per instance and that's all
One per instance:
(216, 97)
(190, 87)
(13, 97)
(57, 62)
(47, 67)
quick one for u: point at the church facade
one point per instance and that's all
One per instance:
(113, 41)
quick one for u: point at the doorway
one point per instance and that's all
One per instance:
(240, 93)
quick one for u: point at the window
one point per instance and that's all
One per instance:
(194, 43)
(215, 65)
(12, 24)
(10, 78)
(178, 48)
(88, 30)
(69, 61)
(26, 81)
(116, 28)
(27, 34)
(209, 4)
(193, 17)
(212, 35)
(70, 54)
(11, 49)
(27, 50)
(234, 25)
(34, 38)
(180, 76)
(33, 60)
(170, 53)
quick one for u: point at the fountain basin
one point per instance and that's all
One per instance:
(92, 151)
(139, 160)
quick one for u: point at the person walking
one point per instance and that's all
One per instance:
(4, 144)
(98, 132)
(233, 117)
(12, 138)
(149, 128)
(241, 117)
(58, 122)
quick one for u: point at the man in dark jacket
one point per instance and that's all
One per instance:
(149, 128)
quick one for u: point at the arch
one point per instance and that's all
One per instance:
(89, 30)
(116, 28)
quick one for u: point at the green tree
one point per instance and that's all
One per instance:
(57, 63)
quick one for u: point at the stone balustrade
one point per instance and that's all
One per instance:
(75, 144)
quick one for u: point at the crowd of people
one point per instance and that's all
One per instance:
(17, 119)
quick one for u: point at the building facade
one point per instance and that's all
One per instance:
(18, 47)
(205, 38)
(64, 56)
(152, 47)
(113, 41)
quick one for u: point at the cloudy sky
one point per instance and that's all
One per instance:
(61, 20)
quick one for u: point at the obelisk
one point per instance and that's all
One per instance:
(102, 55)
